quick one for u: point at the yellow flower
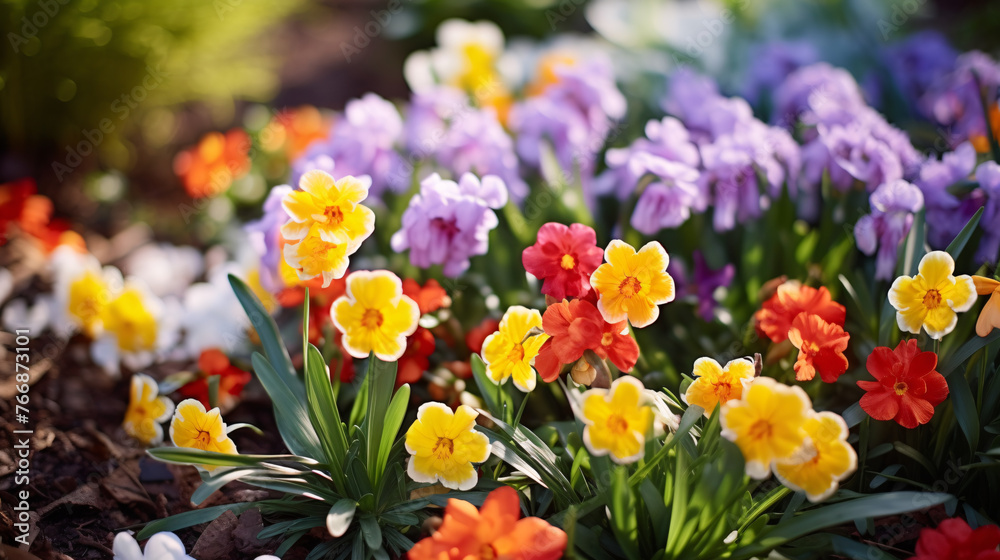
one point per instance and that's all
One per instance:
(508, 354)
(194, 428)
(146, 410)
(716, 385)
(331, 209)
(766, 424)
(933, 298)
(312, 257)
(444, 444)
(375, 316)
(131, 321)
(631, 285)
(617, 421)
(87, 301)
(989, 317)
(833, 459)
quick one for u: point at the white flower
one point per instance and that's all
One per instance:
(161, 546)
(212, 317)
(166, 269)
(461, 44)
(17, 314)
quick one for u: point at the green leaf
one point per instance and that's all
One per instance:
(623, 520)
(371, 532)
(290, 411)
(267, 329)
(393, 421)
(325, 416)
(191, 518)
(964, 406)
(831, 515)
(339, 519)
(188, 456)
(956, 246)
(213, 390)
(691, 415)
(966, 351)
(381, 379)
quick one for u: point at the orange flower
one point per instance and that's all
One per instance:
(989, 317)
(295, 129)
(20, 205)
(430, 297)
(821, 348)
(209, 168)
(231, 379)
(776, 314)
(491, 532)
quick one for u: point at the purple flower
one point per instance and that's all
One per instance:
(668, 200)
(575, 116)
(446, 223)
(988, 175)
(944, 220)
(915, 63)
(772, 62)
(954, 100)
(893, 205)
(665, 139)
(817, 94)
(265, 238)
(362, 143)
(695, 100)
(707, 281)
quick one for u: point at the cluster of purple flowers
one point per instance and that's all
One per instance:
(575, 116)
(362, 142)
(770, 63)
(441, 124)
(916, 63)
(446, 223)
(958, 101)
(843, 137)
(702, 283)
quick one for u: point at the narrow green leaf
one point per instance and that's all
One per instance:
(623, 519)
(340, 517)
(267, 329)
(956, 246)
(191, 518)
(213, 390)
(964, 406)
(290, 411)
(381, 379)
(393, 420)
(325, 417)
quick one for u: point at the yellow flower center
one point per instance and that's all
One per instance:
(203, 438)
(617, 424)
(932, 299)
(630, 286)
(567, 262)
(724, 391)
(444, 448)
(487, 552)
(607, 338)
(900, 387)
(372, 319)
(334, 215)
(761, 429)
(516, 353)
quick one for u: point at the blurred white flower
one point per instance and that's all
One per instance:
(466, 51)
(138, 327)
(212, 316)
(18, 315)
(161, 546)
(166, 269)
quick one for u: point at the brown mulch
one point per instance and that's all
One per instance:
(88, 480)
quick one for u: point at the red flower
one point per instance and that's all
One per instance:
(776, 314)
(413, 363)
(821, 348)
(576, 326)
(564, 258)
(429, 298)
(231, 379)
(32, 214)
(907, 386)
(477, 335)
(953, 539)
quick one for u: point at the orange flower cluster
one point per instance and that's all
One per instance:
(813, 323)
(209, 168)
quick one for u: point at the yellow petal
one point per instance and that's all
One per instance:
(936, 267)
(961, 295)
